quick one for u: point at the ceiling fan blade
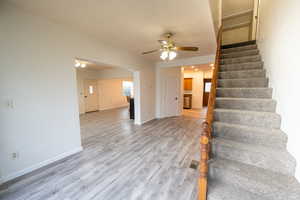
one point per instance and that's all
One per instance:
(187, 48)
(147, 52)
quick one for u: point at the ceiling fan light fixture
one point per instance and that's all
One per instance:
(164, 55)
(77, 64)
(172, 55)
(168, 49)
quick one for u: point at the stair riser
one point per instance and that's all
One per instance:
(264, 120)
(276, 140)
(227, 177)
(241, 66)
(244, 93)
(251, 105)
(259, 159)
(241, 60)
(241, 54)
(242, 74)
(243, 83)
(238, 49)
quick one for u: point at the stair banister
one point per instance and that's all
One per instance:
(205, 139)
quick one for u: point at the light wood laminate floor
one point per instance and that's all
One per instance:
(196, 113)
(120, 161)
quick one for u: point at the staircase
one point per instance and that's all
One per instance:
(250, 160)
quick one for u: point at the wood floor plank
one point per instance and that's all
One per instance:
(120, 161)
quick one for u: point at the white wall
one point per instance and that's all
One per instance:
(114, 73)
(198, 60)
(279, 30)
(236, 35)
(233, 6)
(37, 73)
(216, 12)
(111, 93)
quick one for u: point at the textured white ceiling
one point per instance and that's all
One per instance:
(197, 68)
(134, 25)
(92, 66)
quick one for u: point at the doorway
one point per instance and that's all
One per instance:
(206, 90)
(107, 95)
(196, 87)
(104, 87)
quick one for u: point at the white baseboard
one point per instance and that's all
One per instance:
(137, 122)
(39, 165)
(145, 121)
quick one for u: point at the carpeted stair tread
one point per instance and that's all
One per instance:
(242, 59)
(276, 160)
(272, 138)
(250, 52)
(221, 191)
(250, 118)
(238, 49)
(250, 104)
(265, 93)
(243, 83)
(241, 66)
(263, 182)
(243, 74)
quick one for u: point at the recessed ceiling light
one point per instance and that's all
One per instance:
(212, 65)
(193, 67)
(83, 65)
(196, 70)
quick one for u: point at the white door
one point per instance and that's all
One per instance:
(172, 95)
(91, 95)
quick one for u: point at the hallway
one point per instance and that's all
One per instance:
(120, 161)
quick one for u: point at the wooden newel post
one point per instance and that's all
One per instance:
(204, 149)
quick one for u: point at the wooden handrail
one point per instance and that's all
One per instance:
(205, 139)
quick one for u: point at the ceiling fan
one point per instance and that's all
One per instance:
(168, 48)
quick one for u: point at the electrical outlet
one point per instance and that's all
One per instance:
(15, 155)
(11, 104)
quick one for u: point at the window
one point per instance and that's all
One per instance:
(128, 88)
(207, 87)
